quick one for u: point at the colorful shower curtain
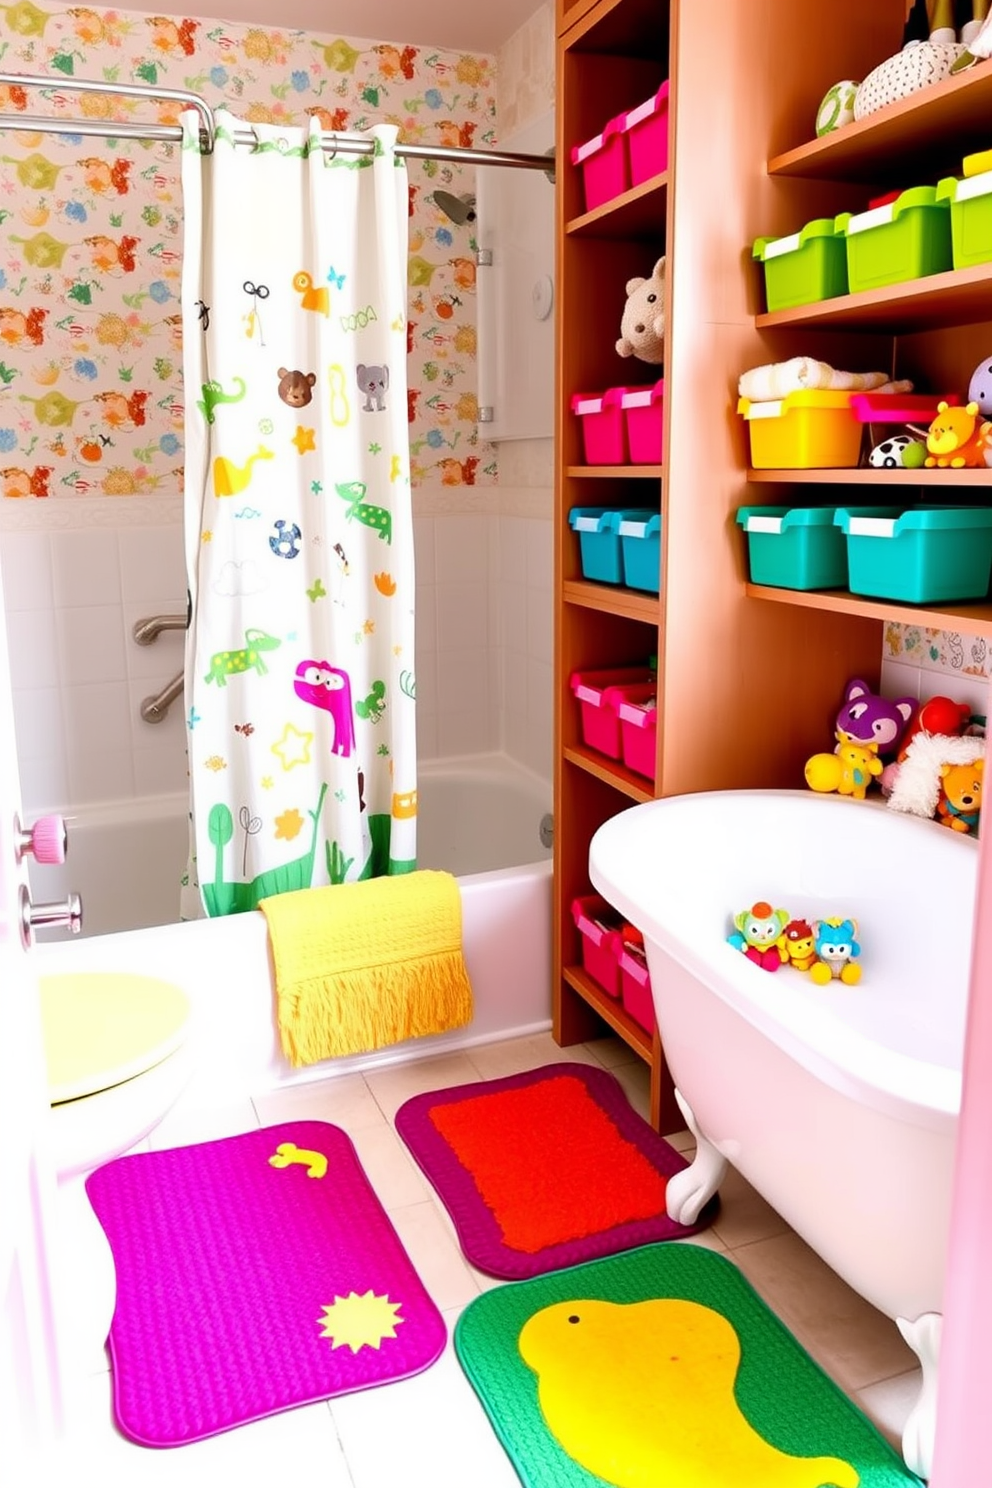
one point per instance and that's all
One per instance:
(299, 536)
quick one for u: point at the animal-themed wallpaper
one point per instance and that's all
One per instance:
(91, 236)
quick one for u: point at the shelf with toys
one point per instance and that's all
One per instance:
(904, 269)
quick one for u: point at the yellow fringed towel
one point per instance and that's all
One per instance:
(359, 966)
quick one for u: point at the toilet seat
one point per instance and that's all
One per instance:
(104, 1028)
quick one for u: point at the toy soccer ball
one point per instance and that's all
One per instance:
(837, 108)
(901, 452)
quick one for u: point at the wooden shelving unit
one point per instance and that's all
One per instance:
(711, 630)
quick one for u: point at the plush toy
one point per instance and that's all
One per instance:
(918, 788)
(958, 437)
(871, 720)
(642, 329)
(961, 796)
(758, 935)
(848, 771)
(938, 715)
(980, 387)
(797, 941)
(837, 107)
(836, 945)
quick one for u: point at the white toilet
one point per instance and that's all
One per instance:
(118, 1060)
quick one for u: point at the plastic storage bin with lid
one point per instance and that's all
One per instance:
(644, 415)
(635, 980)
(636, 706)
(640, 543)
(971, 217)
(601, 419)
(794, 548)
(907, 238)
(603, 161)
(808, 429)
(923, 556)
(601, 546)
(646, 131)
(804, 267)
(597, 698)
(599, 926)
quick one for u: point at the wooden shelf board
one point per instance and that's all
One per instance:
(639, 210)
(611, 771)
(960, 479)
(631, 604)
(975, 618)
(602, 472)
(612, 1011)
(957, 297)
(900, 139)
(638, 28)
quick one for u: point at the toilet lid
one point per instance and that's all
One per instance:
(101, 1028)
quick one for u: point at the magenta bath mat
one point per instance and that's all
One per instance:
(254, 1274)
(545, 1169)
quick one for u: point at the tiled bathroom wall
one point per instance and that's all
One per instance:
(922, 663)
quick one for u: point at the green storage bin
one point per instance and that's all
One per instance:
(923, 556)
(906, 239)
(807, 266)
(794, 547)
(971, 218)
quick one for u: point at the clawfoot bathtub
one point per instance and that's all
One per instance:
(838, 1103)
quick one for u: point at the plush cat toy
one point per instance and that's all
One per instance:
(642, 329)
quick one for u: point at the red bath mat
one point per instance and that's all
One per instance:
(543, 1169)
(254, 1274)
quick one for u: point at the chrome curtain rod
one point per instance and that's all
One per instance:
(331, 144)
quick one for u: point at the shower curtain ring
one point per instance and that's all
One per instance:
(334, 151)
(254, 137)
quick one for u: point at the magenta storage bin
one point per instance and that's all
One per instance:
(601, 418)
(596, 692)
(635, 983)
(646, 130)
(599, 925)
(643, 411)
(603, 161)
(637, 709)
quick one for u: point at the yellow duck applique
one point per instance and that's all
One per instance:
(642, 1395)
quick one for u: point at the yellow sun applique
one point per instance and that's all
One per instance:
(293, 748)
(357, 1321)
(303, 439)
(289, 825)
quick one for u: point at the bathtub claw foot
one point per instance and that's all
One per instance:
(923, 1337)
(690, 1190)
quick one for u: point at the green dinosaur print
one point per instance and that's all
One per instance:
(213, 394)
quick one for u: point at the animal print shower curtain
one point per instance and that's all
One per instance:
(299, 537)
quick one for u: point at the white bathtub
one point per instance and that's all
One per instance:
(838, 1103)
(224, 964)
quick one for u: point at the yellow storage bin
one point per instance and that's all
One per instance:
(804, 430)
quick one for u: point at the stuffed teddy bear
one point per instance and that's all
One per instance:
(642, 329)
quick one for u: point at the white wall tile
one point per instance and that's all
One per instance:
(463, 681)
(26, 559)
(160, 769)
(38, 723)
(423, 550)
(462, 617)
(91, 644)
(539, 544)
(463, 733)
(44, 782)
(513, 549)
(461, 547)
(513, 634)
(32, 639)
(105, 774)
(98, 715)
(86, 568)
(899, 679)
(540, 624)
(153, 567)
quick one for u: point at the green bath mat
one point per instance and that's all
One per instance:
(661, 1368)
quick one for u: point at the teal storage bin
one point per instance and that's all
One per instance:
(932, 556)
(804, 267)
(640, 541)
(971, 218)
(599, 543)
(794, 547)
(906, 239)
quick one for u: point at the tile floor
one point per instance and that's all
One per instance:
(430, 1431)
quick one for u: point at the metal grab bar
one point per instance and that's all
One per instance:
(148, 630)
(154, 709)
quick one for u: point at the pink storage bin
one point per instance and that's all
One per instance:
(637, 709)
(596, 692)
(603, 160)
(646, 132)
(599, 924)
(601, 419)
(635, 983)
(644, 413)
